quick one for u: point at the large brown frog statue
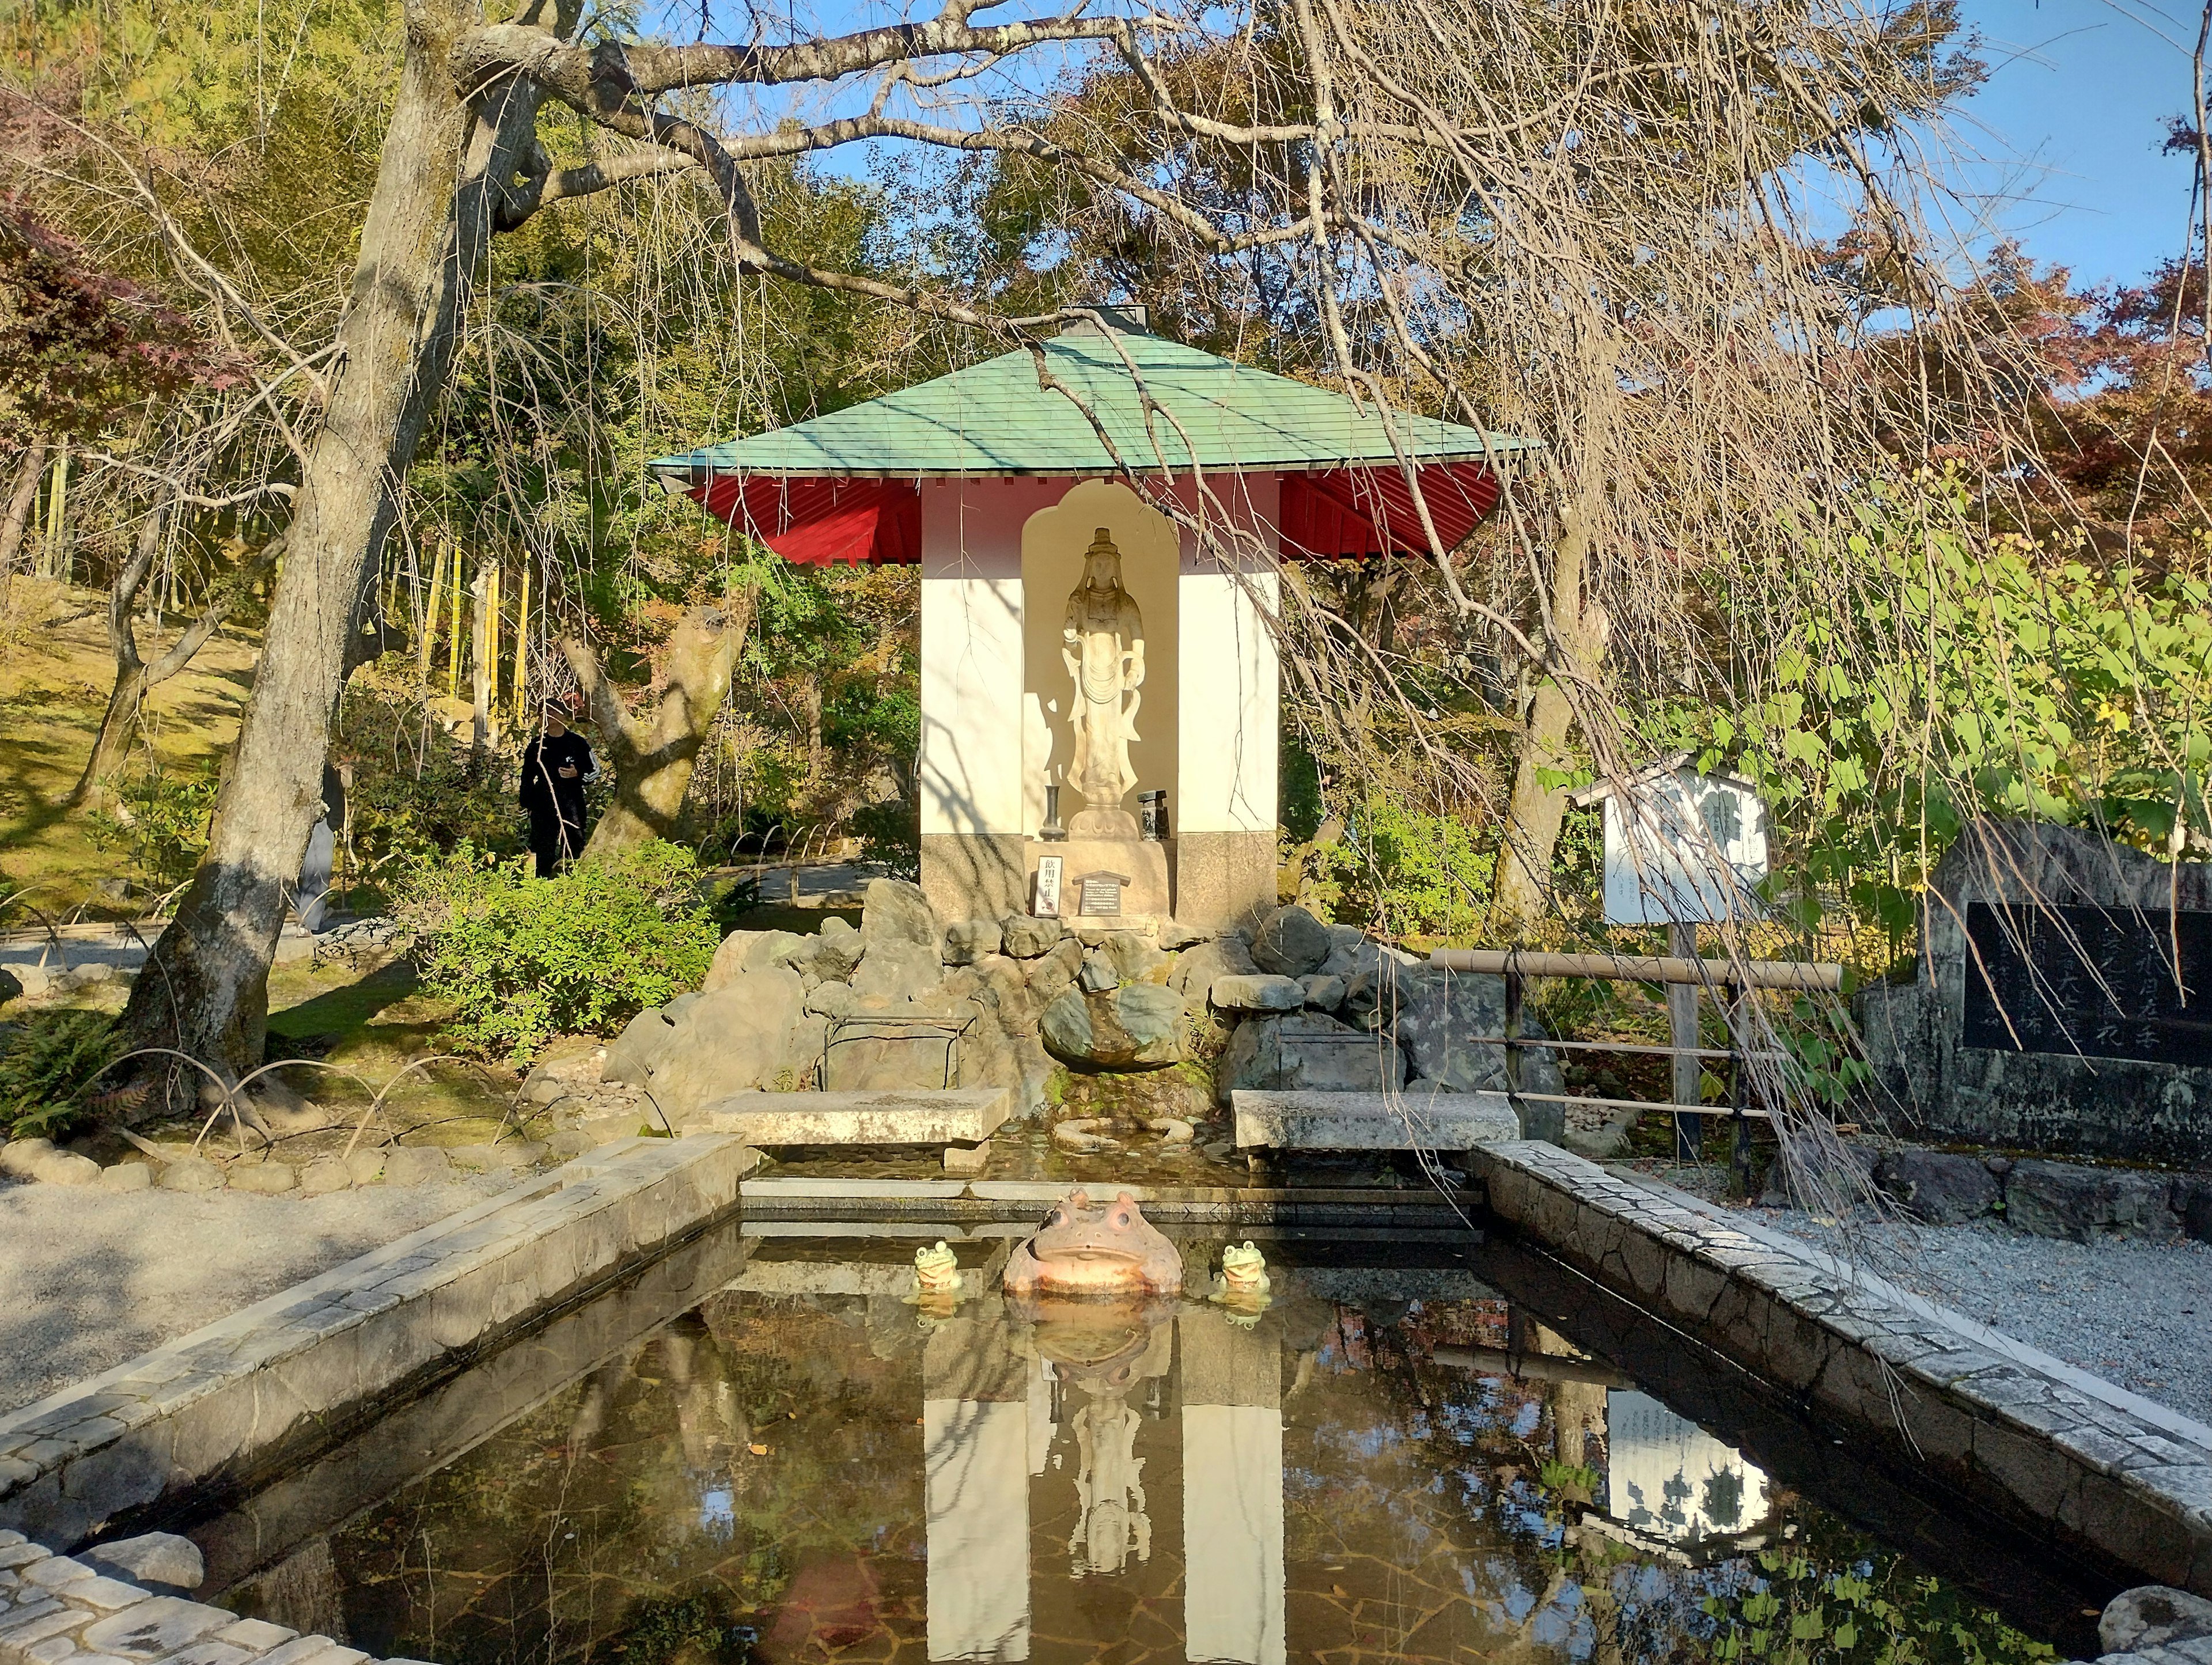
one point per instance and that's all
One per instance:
(1109, 1249)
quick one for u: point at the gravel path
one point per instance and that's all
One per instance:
(90, 1277)
(2137, 1313)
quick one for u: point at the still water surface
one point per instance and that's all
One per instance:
(1389, 1462)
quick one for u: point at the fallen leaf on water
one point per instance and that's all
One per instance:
(757, 1450)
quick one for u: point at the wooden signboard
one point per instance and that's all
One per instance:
(1047, 887)
(1101, 893)
(2095, 980)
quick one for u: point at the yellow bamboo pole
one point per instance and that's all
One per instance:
(431, 620)
(522, 649)
(454, 658)
(491, 652)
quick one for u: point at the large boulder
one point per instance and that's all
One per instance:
(1053, 973)
(1443, 1026)
(1307, 1051)
(1196, 969)
(1026, 936)
(895, 911)
(1381, 982)
(738, 1037)
(1290, 943)
(1261, 993)
(830, 955)
(914, 1048)
(1135, 1026)
(1937, 1187)
(895, 969)
(748, 951)
(1133, 956)
(2062, 1199)
(969, 940)
(633, 1055)
(2154, 1616)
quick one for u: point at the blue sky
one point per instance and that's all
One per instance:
(2070, 125)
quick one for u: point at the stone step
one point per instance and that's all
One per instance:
(1371, 1120)
(898, 1116)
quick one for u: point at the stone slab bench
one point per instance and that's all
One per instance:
(903, 1116)
(1370, 1120)
(2062, 1455)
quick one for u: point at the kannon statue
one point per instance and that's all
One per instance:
(1102, 642)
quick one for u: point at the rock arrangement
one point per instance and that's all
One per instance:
(2046, 1199)
(907, 1000)
(109, 1606)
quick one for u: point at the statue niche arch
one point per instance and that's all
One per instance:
(1057, 546)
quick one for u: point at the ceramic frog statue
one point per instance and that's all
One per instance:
(1108, 1249)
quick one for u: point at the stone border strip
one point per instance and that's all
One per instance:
(53, 1609)
(953, 1202)
(2070, 1458)
(272, 1383)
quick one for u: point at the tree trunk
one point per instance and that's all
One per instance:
(444, 164)
(1522, 891)
(652, 761)
(22, 498)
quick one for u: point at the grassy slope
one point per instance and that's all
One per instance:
(55, 674)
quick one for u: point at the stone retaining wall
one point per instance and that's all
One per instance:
(2064, 1455)
(277, 1381)
(55, 1610)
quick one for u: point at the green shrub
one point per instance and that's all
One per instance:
(1413, 874)
(161, 817)
(48, 1062)
(890, 833)
(523, 959)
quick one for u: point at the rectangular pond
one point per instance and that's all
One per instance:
(1418, 1449)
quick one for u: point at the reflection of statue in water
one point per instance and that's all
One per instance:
(1108, 1492)
(1106, 1349)
(1102, 641)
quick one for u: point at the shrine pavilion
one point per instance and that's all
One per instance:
(1085, 639)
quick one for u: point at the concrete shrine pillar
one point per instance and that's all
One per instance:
(1225, 810)
(1232, 1488)
(970, 772)
(975, 1418)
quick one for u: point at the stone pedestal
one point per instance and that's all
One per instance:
(1148, 865)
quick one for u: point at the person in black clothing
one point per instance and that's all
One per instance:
(555, 766)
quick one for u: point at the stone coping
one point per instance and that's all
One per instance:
(1314, 1120)
(901, 1115)
(952, 1203)
(55, 1610)
(292, 1375)
(2060, 1453)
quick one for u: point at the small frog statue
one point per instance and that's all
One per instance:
(1244, 1271)
(1243, 1286)
(936, 1273)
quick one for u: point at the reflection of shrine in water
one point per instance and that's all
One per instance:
(809, 1467)
(1054, 1437)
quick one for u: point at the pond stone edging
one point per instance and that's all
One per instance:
(2062, 1455)
(280, 1380)
(54, 1609)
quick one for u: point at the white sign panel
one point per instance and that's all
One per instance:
(1669, 1478)
(1685, 850)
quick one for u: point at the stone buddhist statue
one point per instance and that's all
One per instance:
(1102, 642)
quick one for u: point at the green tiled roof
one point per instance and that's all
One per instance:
(993, 418)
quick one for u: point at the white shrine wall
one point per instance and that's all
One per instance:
(994, 690)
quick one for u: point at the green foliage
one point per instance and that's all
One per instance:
(891, 832)
(48, 1064)
(1414, 874)
(1803, 1609)
(1958, 674)
(522, 959)
(161, 818)
(417, 792)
